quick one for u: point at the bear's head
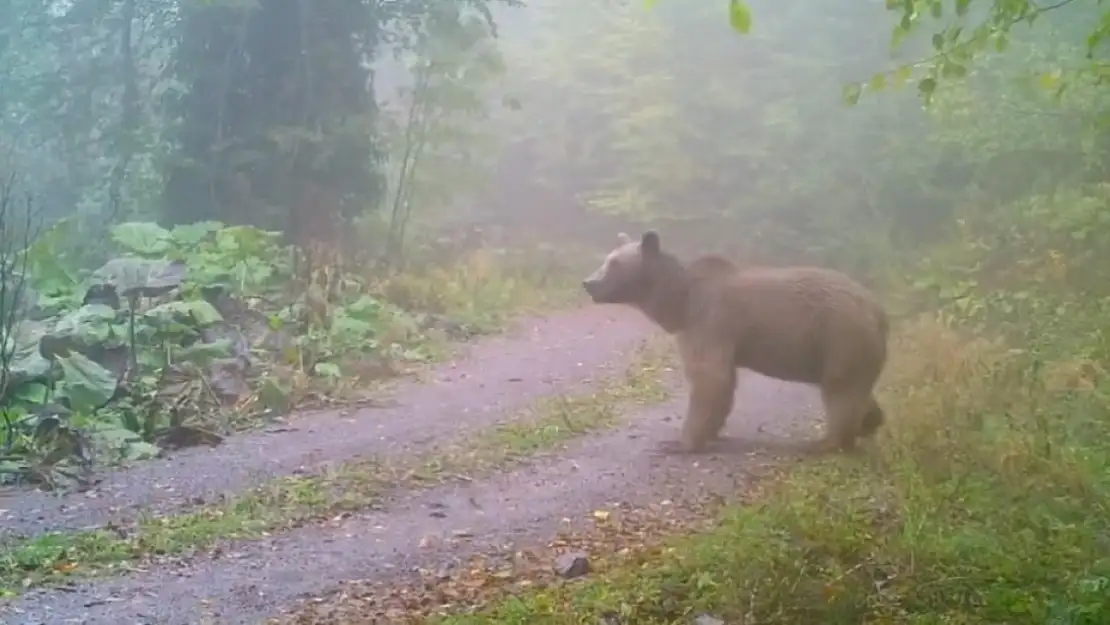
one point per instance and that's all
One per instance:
(630, 271)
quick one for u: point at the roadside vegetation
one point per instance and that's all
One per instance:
(294, 501)
(184, 335)
(985, 500)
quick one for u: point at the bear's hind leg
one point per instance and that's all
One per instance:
(873, 419)
(721, 404)
(846, 411)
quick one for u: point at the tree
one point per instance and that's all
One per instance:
(438, 125)
(276, 116)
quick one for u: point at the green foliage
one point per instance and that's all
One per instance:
(1022, 279)
(985, 498)
(739, 16)
(155, 344)
(438, 129)
(968, 30)
(666, 116)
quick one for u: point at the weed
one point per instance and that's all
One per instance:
(484, 288)
(985, 502)
(204, 329)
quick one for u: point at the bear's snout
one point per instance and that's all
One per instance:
(590, 286)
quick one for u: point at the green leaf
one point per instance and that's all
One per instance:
(366, 308)
(739, 16)
(1049, 80)
(247, 240)
(31, 393)
(327, 370)
(927, 86)
(129, 445)
(953, 70)
(86, 384)
(88, 326)
(194, 312)
(1092, 41)
(141, 277)
(189, 235)
(202, 353)
(938, 42)
(204, 313)
(26, 362)
(962, 6)
(651, 4)
(877, 82)
(897, 36)
(901, 75)
(142, 237)
(274, 396)
(851, 94)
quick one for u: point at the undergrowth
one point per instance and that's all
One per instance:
(987, 502)
(986, 499)
(184, 335)
(288, 502)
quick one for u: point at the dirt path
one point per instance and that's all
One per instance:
(492, 378)
(248, 581)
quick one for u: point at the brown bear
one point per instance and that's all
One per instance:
(798, 324)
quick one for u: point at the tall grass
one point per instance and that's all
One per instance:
(986, 501)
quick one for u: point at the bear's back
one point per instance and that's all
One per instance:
(793, 323)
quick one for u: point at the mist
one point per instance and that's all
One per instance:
(305, 282)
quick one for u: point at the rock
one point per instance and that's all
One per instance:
(571, 565)
(609, 618)
(705, 619)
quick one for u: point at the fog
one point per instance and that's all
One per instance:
(575, 120)
(219, 215)
(610, 116)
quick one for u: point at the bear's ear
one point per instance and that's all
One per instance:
(623, 238)
(649, 243)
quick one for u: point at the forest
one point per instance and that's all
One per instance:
(219, 216)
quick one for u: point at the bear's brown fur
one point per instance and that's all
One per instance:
(799, 324)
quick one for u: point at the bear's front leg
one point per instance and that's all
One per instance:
(711, 374)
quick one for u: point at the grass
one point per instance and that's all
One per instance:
(291, 501)
(487, 288)
(479, 293)
(987, 501)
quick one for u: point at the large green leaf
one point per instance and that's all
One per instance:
(143, 277)
(247, 240)
(49, 255)
(27, 363)
(189, 236)
(365, 308)
(202, 353)
(142, 237)
(197, 312)
(739, 16)
(30, 393)
(92, 324)
(128, 445)
(86, 384)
